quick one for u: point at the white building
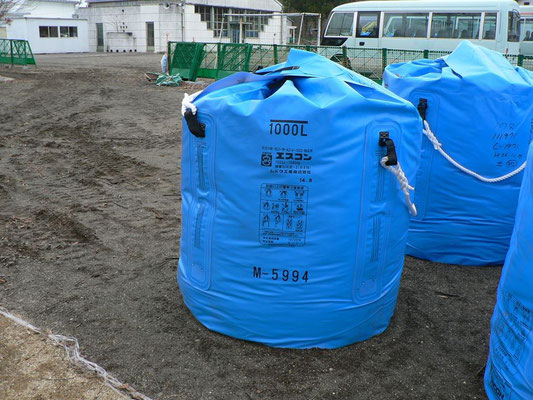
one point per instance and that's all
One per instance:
(50, 26)
(146, 25)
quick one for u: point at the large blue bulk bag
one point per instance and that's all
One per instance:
(293, 232)
(509, 372)
(480, 109)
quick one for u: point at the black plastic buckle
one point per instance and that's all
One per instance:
(386, 141)
(422, 108)
(196, 128)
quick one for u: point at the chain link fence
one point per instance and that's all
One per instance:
(222, 59)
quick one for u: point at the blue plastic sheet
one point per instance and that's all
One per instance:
(509, 372)
(293, 234)
(480, 108)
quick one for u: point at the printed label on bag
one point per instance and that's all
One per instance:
(499, 385)
(288, 161)
(283, 214)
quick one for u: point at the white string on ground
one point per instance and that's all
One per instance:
(438, 146)
(187, 103)
(72, 348)
(404, 183)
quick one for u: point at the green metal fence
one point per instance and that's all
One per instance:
(185, 59)
(220, 60)
(16, 52)
(233, 57)
(527, 62)
(209, 64)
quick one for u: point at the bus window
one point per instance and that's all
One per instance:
(489, 26)
(526, 30)
(455, 26)
(367, 24)
(340, 24)
(406, 25)
(513, 34)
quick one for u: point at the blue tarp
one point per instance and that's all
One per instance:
(480, 108)
(293, 234)
(508, 375)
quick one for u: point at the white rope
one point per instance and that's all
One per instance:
(404, 183)
(187, 103)
(438, 146)
(72, 348)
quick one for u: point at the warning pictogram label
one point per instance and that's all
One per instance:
(283, 214)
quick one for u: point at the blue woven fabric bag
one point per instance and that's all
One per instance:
(293, 231)
(509, 372)
(478, 110)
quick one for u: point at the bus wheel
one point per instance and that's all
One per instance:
(342, 60)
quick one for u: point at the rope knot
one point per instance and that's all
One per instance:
(187, 103)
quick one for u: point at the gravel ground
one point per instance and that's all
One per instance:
(89, 228)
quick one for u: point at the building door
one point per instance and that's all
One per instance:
(3, 32)
(100, 37)
(235, 32)
(150, 37)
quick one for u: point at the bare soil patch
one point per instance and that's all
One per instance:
(89, 241)
(32, 368)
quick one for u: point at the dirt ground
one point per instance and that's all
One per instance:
(32, 368)
(89, 228)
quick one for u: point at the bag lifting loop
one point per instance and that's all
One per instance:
(190, 113)
(390, 163)
(422, 109)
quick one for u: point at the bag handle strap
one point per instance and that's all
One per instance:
(390, 163)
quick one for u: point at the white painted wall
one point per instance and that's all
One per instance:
(133, 19)
(31, 14)
(134, 16)
(47, 9)
(28, 29)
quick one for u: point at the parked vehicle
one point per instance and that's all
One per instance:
(425, 25)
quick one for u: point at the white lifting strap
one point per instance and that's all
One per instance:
(404, 183)
(438, 146)
(187, 103)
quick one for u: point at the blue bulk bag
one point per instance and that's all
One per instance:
(478, 110)
(509, 372)
(293, 232)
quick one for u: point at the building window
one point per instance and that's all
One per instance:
(406, 25)
(456, 26)
(48, 31)
(205, 14)
(68, 31)
(218, 22)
